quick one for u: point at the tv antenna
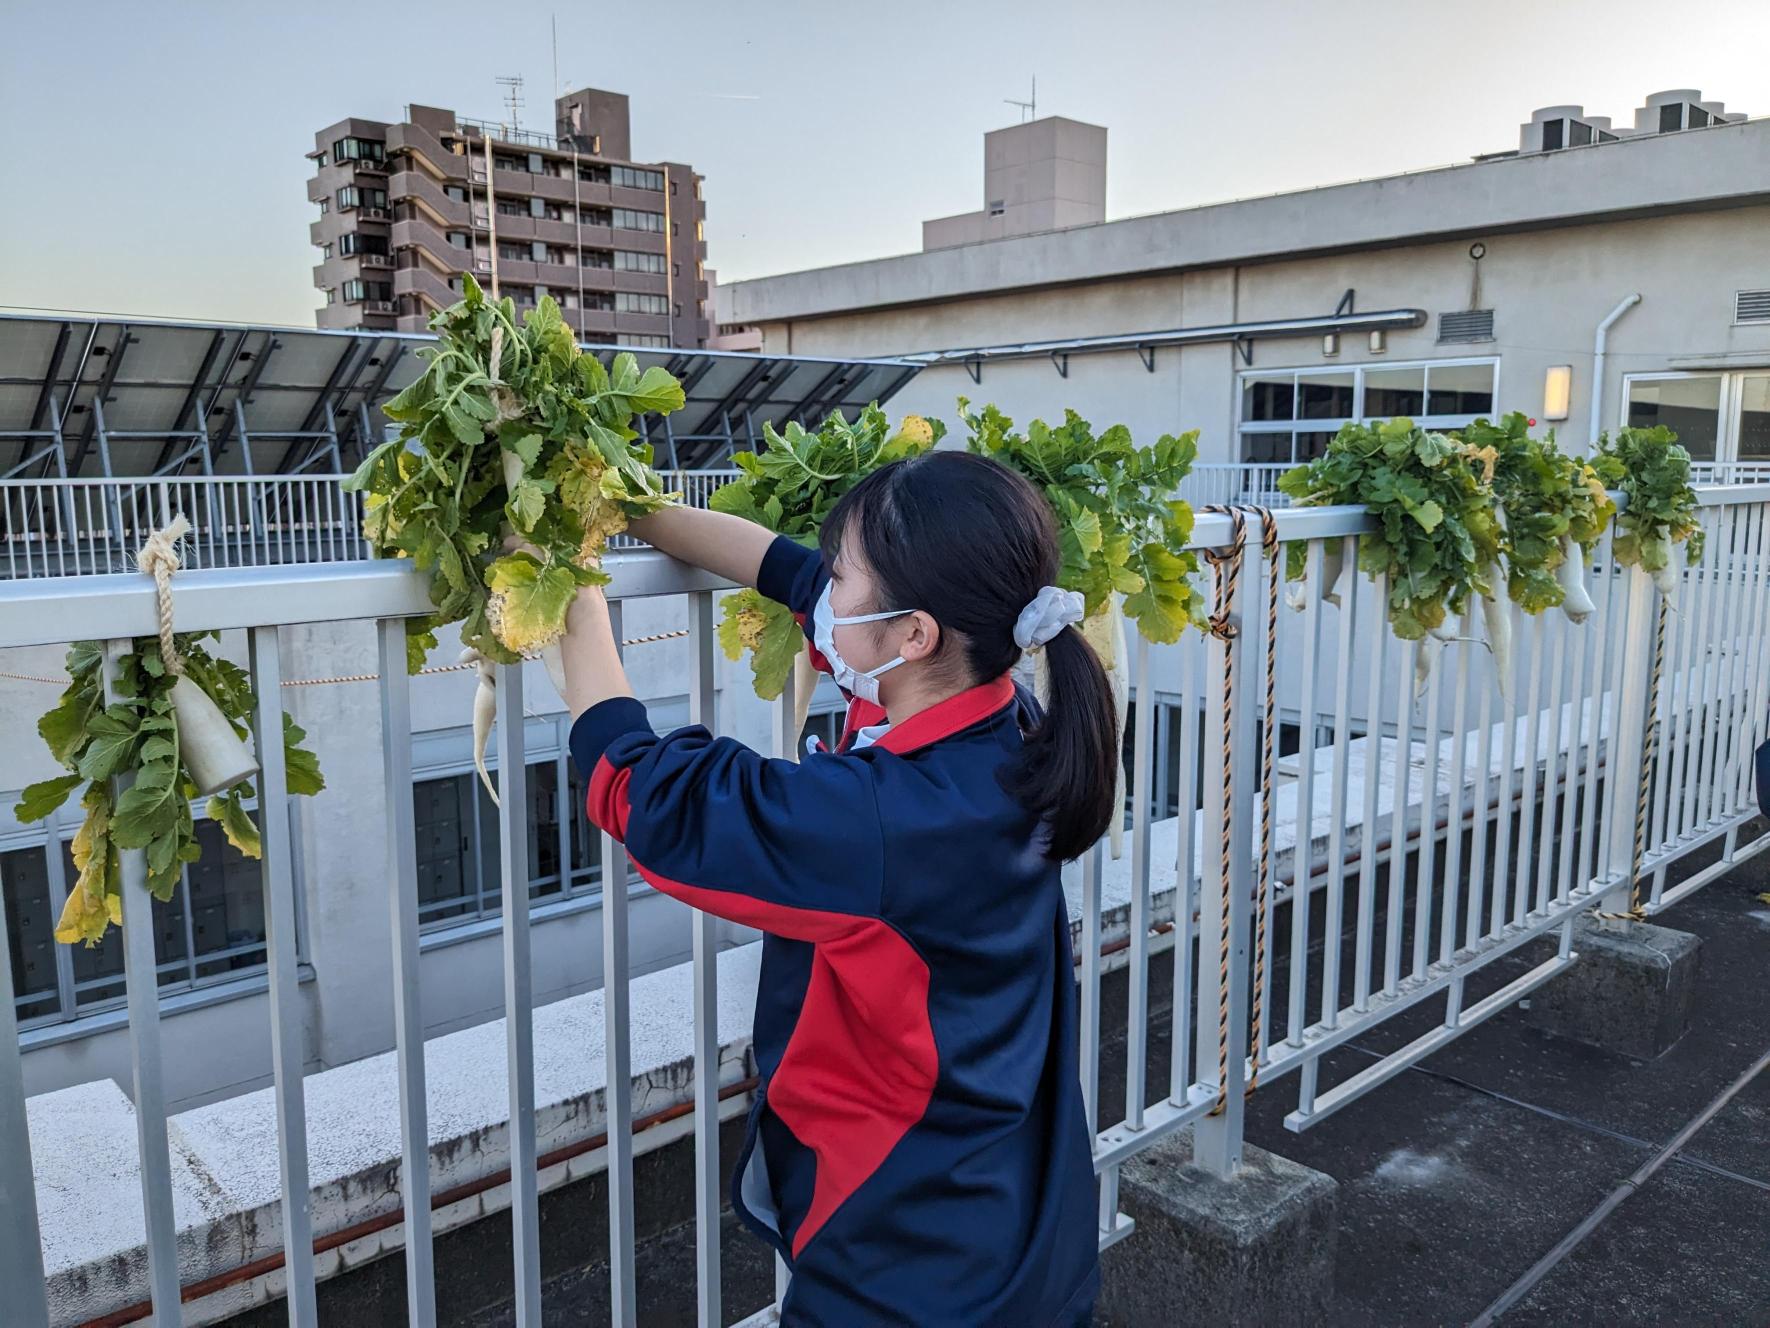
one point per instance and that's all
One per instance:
(1029, 109)
(512, 85)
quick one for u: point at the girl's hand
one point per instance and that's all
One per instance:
(588, 652)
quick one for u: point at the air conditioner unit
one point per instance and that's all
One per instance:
(374, 213)
(381, 306)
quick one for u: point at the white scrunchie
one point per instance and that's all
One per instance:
(1049, 613)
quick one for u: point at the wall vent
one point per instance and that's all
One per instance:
(1466, 325)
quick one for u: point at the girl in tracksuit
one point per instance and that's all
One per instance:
(918, 1151)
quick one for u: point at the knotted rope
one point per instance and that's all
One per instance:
(159, 559)
(1649, 753)
(1226, 562)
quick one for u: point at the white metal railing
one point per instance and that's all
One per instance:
(1441, 830)
(84, 527)
(1214, 484)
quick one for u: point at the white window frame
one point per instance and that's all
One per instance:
(1732, 404)
(1295, 426)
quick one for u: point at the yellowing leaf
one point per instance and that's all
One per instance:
(529, 602)
(237, 824)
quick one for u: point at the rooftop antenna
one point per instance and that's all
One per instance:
(554, 19)
(512, 85)
(1029, 109)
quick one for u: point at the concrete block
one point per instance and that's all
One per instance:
(1631, 991)
(1257, 1249)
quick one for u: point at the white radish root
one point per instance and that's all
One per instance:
(1496, 614)
(1575, 602)
(485, 710)
(1666, 579)
(554, 661)
(1333, 567)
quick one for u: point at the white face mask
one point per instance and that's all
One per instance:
(824, 623)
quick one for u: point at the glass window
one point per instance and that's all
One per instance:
(353, 290)
(359, 149)
(1268, 398)
(634, 302)
(537, 206)
(1552, 134)
(1699, 118)
(1754, 418)
(1689, 407)
(643, 339)
(1324, 396)
(1671, 117)
(456, 192)
(631, 219)
(358, 243)
(30, 926)
(628, 261)
(1391, 392)
(1579, 133)
(458, 239)
(1458, 389)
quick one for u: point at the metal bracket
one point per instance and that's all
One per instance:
(1244, 347)
(1060, 358)
(975, 369)
(1344, 307)
(1147, 355)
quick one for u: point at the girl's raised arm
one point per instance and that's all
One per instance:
(724, 545)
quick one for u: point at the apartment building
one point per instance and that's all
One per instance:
(406, 209)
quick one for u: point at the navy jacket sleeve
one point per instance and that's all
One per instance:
(790, 849)
(793, 575)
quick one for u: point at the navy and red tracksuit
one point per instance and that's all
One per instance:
(918, 1150)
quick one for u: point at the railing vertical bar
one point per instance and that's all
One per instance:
(288, 1053)
(1682, 689)
(1580, 700)
(1481, 804)
(1373, 767)
(1719, 540)
(1339, 782)
(1753, 733)
(1728, 684)
(1532, 746)
(1424, 884)
(519, 1019)
(1554, 779)
(1707, 581)
(142, 982)
(21, 1248)
(1508, 752)
(1090, 1011)
(1459, 783)
(1180, 1061)
(1227, 886)
(1137, 997)
(1401, 775)
(701, 710)
(616, 1012)
(408, 1017)
(1303, 841)
(1599, 737)
(1622, 787)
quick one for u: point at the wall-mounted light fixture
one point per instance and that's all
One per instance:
(1330, 344)
(1557, 391)
(1379, 341)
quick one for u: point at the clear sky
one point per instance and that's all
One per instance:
(154, 161)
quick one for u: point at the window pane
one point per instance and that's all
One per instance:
(1689, 407)
(1389, 392)
(227, 905)
(1312, 445)
(1460, 389)
(1671, 117)
(1265, 448)
(1754, 418)
(490, 890)
(1579, 133)
(98, 969)
(30, 924)
(1551, 135)
(543, 821)
(1271, 398)
(1324, 396)
(444, 824)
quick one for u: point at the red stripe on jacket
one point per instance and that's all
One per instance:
(860, 1066)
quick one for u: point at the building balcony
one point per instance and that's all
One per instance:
(418, 188)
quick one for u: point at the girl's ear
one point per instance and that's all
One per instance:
(921, 639)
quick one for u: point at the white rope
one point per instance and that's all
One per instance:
(159, 559)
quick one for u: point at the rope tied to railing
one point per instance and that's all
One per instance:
(158, 557)
(1269, 733)
(1226, 563)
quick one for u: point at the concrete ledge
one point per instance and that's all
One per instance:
(1630, 993)
(1256, 1250)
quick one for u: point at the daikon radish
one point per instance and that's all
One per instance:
(1666, 578)
(1333, 567)
(1496, 614)
(485, 710)
(1426, 654)
(1575, 603)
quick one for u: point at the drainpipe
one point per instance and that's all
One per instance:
(1598, 342)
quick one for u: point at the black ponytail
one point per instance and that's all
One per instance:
(970, 542)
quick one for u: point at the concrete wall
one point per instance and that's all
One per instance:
(1548, 290)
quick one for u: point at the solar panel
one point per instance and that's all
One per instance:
(89, 397)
